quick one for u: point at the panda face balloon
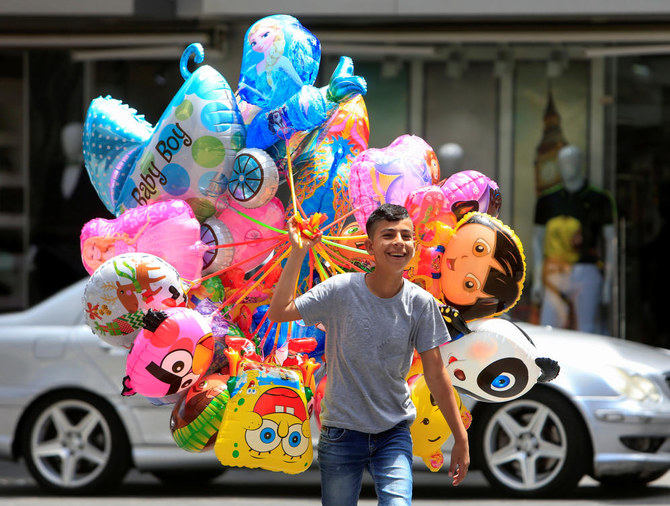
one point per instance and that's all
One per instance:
(496, 362)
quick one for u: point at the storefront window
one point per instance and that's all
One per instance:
(642, 119)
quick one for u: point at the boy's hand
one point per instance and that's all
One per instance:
(460, 462)
(298, 240)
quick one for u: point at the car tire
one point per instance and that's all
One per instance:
(533, 446)
(630, 480)
(75, 443)
(191, 478)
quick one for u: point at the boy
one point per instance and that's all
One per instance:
(373, 324)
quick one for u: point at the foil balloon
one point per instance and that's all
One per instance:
(197, 415)
(470, 190)
(215, 234)
(172, 351)
(324, 159)
(430, 429)
(279, 65)
(357, 257)
(390, 174)
(248, 230)
(496, 361)
(254, 179)
(280, 57)
(188, 155)
(166, 229)
(122, 290)
(276, 92)
(478, 267)
(266, 423)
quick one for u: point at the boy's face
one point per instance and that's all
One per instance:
(392, 244)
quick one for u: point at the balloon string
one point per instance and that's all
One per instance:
(254, 285)
(345, 237)
(345, 261)
(322, 251)
(257, 222)
(245, 243)
(290, 176)
(343, 246)
(236, 264)
(320, 269)
(310, 278)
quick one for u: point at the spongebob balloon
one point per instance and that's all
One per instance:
(266, 422)
(430, 429)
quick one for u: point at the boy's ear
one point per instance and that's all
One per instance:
(368, 245)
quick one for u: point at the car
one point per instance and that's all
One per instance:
(606, 415)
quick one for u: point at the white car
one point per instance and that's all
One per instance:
(607, 414)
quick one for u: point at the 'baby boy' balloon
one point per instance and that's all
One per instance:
(188, 155)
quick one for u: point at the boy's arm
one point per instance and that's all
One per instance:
(282, 306)
(440, 386)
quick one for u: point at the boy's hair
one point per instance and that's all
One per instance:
(385, 212)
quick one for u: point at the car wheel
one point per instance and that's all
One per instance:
(532, 446)
(75, 443)
(190, 478)
(630, 480)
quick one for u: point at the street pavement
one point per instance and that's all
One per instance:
(246, 487)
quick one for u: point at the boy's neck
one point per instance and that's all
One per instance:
(384, 285)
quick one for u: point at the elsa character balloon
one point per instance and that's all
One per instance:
(276, 93)
(275, 77)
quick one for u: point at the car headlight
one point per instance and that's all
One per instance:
(634, 386)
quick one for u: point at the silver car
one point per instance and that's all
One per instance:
(607, 414)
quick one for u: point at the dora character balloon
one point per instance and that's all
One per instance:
(481, 266)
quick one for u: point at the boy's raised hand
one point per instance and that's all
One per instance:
(298, 240)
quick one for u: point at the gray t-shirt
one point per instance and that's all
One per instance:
(369, 347)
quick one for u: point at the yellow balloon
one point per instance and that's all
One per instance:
(266, 422)
(430, 430)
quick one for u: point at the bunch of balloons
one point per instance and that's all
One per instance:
(183, 273)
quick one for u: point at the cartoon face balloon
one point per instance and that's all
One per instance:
(123, 288)
(430, 430)
(280, 56)
(478, 267)
(266, 423)
(170, 354)
(482, 267)
(188, 155)
(496, 362)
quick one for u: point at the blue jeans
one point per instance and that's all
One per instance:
(343, 454)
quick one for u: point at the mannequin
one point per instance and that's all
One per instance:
(573, 249)
(450, 157)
